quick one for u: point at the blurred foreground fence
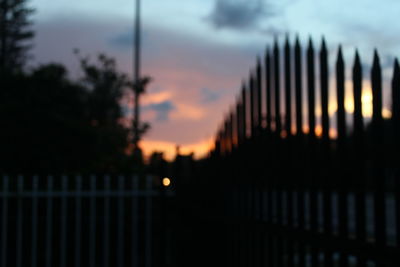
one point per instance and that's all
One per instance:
(299, 193)
(81, 221)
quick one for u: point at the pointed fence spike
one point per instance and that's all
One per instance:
(297, 42)
(340, 54)
(377, 133)
(396, 131)
(298, 88)
(323, 44)
(277, 101)
(259, 93)
(396, 114)
(252, 104)
(340, 92)
(268, 83)
(324, 87)
(288, 95)
(311, 89)
(258, 63)
(268, 52)
(287, 42)
(276, 44)
(396, 95)
(357, 57)
(376, 81)
(310, 42)
(376, 61)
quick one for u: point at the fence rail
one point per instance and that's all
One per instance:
(298, 197)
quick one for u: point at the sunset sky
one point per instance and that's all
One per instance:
(199, 51)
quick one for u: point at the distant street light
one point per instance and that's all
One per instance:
(166, 182)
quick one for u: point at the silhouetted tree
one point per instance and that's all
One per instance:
(105, 86)
(43, 127)
(15, 34)
(51, 124)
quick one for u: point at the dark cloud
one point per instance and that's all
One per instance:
(124, 40)
(209, 96)
(162, 109)
(187, 52)
(273, 31)
(238, 14)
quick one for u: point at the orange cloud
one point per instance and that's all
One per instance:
(190, 112)
(156, 97)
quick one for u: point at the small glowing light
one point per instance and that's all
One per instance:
(166, 182)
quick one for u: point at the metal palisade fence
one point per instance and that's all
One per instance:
(78, 221)
(303, 193)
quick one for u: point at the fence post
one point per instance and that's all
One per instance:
(4, 225)
(278, 154)
(64, 216)
(358, 135)
(289, 158)
(298, 156)
(324, 72)
(244, 114)
(148, 220)
(259, 94)
(120, 222)
(288, 89)
(223, 139)
(253, 102)
(277, 77)
(49, 222)
(342, 154)
(135, 224)
(377, 155)
(34, 243)
(396, 131)
(92, 220)
(106, 240)
(227, 133)
(231, 132)
(311, 89)
(227, 136)
(20, 220)
(312, 150)
(268, 88)
(298, 83)
(325, 171)
(78, 220)
(238, 123)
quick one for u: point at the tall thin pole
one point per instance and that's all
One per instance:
(136, 55)
(136, 69)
